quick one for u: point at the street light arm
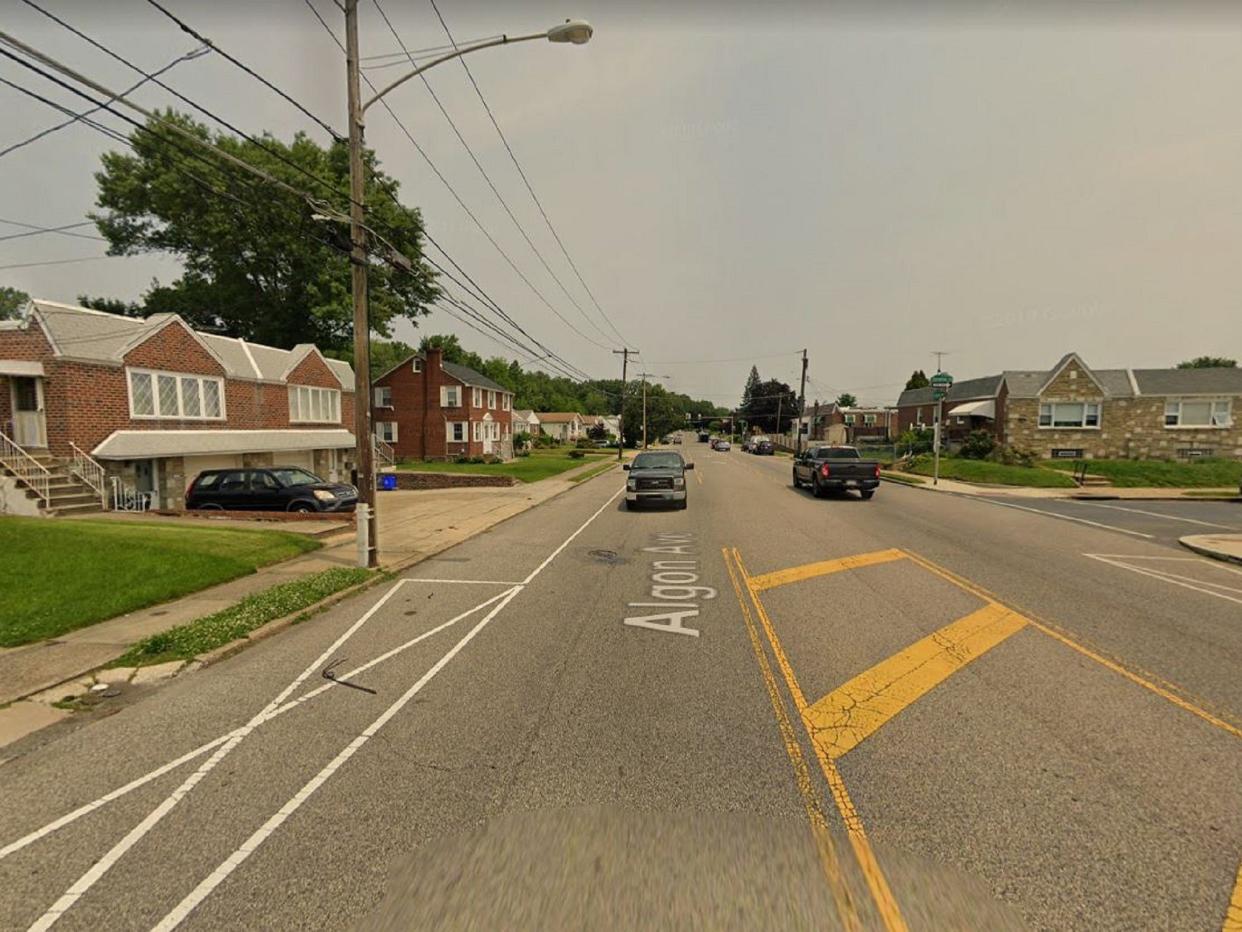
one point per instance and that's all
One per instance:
(456, 53)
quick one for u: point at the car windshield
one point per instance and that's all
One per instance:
(295, 477)
(838, 453)
(657, 461)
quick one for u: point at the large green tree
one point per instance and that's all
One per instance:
(772, 406)
(846, 400)
(918, 379)
(1208, 362)
(751, 387)
(258, 262)
(12, 301)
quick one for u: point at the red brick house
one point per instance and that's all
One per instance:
(429, 409)
(94, 403)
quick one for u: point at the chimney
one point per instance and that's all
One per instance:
(435, 359)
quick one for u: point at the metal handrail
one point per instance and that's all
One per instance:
(25, 467)
(385, 452)
(86, 468)
(125, 498)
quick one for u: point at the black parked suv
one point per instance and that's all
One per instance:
(272, 488)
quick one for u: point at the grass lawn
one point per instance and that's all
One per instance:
(541, 464)
(594, 471)
(903, 478)
(59, 575)
(994, 473)
(1131, 474)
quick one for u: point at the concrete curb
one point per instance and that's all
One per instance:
(1191, 543)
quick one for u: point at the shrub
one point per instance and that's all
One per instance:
(584, 443)
(1012, 456)
(576, 454)
(978, 445)
(490, 459)
(522, 452)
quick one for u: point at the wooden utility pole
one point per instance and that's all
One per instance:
(625, 364)
(801, 405)
(368, 528)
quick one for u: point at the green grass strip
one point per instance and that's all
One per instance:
(905, 480)
(185, 642)
(592, 473)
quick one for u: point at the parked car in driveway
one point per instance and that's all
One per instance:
(273, 488)
(828, 468)
(656, 479)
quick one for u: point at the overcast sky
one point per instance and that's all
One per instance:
(739, 185)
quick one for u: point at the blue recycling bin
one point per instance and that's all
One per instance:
(387, 481)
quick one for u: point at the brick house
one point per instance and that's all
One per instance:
(144, 405)
(1072, 411)
(429, 409)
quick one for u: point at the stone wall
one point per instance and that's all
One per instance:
(408, 481)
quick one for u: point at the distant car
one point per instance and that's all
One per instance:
(762, 446)
(603, 444)
(656, 479)
(712, 442)
(827, 468)
(746, 445)
(723, 446)
(272, 488)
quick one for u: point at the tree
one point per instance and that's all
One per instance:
(663, 413)
(1209, 362)
(918, 379)
(12, 301)
(257, 262)
(772, 399)
(112, 305)
(385, 355)
(751, 388)
(846, 400)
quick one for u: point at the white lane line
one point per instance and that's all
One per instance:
(68, 818)
(183, 909)
(139, 831)
(1157, 514)
(1202, 561)
(1169, 578)
(178, 914)
(1190, 579)
(466, 582)
(1053, 514)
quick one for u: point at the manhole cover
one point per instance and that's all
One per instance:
(604, 556)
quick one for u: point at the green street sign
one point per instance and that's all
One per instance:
(938, 395)
(941, 379)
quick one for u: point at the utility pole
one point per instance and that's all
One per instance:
(367, 527)
(801, 405)
(779, 399)
(625, 364)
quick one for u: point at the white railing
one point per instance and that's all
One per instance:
(126, 498)
(90, 472)
(384, 452)
(25, 467)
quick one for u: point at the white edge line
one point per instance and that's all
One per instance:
(570, 539)
(1166, 574)
(1157, 514)
(1053, 514)
(1165, 578)
(468, 582)
(251, 844)
(138, 782)
(139, 831)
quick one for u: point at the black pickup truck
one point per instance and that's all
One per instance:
(835, 469)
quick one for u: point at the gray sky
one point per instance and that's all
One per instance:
(962, 177)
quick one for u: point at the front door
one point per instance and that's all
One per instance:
(488, 425)
(146, 481)
(29, 418)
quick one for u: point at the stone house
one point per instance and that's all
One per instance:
(94, 406)
(1074, 411)
(427, 409)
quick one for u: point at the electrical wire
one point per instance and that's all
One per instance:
(526, 181)
(503, 203)
(33, 230)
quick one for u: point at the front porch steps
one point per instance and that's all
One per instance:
(68, 494)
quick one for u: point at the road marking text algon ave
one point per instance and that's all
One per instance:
(673, 579)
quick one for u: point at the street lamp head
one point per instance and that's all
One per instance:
(577, 31)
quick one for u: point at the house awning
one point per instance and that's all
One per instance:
(975, 409)
(20, 367)
(148, 444)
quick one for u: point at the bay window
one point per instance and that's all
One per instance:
(1071, 414)
(174, 395)
(1198, 412)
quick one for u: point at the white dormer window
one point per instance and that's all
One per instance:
(416, 365)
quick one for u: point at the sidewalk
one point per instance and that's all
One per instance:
(413, 526)
(1217, 546)
(1097, 492)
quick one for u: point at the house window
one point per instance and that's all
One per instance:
(1072, 414)
(417, 365)
(383, 396)
(386, 431)
(450, 396)
(491, 400)
(457, 431)
(506, 402)
(172, 395)
(849, 420)
(311, 405)
(476, 397)
(477, 430)
(1198, 412)
(869, 420)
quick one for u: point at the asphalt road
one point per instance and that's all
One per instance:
(768, 711)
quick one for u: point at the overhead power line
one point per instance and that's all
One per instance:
(503, 203)
(31, 265)
(526, 181)
(34, 230)
(186, 28)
